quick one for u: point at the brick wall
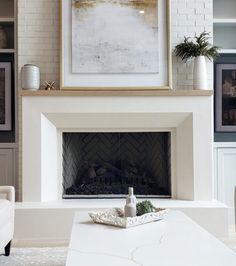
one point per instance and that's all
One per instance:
(38, 30)
(189, 17)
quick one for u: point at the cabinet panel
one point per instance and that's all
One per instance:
(226, 175)
(7, 162)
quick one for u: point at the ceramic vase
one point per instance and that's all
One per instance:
(200, 73)
(30, 77)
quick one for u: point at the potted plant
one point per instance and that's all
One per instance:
(199, 48)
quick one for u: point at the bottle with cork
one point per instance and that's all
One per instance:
(130, 206)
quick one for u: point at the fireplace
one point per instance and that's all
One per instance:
(188, 119)
(186, 115)
(106, 164)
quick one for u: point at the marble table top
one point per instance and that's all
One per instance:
(174, 241)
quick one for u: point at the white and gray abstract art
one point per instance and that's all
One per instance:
(115, 36)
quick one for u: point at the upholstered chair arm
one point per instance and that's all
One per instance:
(7, 192)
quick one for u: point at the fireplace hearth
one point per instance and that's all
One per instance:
(106, 164)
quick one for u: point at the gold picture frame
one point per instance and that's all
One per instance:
(65, 76)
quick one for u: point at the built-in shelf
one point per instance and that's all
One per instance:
(8, 29)
(118, 93)
(225, 36)
(8, 53)
(7, 50)
(224, 25)
(227, 51)
(224, 9)
(7, 19)
(224, 21)
(7, 8)
(8, 145)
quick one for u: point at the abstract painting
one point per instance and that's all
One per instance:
(114, 36)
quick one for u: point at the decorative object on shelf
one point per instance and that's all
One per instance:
(130, 206)
(116, 217)
(225, 96)
(3, 38)
(49, 85)
(5, 96)
(30, 77)
(132, 37)
(198, 49)
(144, 207)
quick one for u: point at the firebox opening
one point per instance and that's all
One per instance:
(104, 165)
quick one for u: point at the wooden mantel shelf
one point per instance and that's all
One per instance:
(68, 93)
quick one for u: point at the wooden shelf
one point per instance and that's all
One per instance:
(7, 19)
(12, 145)
(7, 50)
(224, 21)
(227, 51)
(102, 93)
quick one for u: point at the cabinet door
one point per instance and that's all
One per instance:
(226, 178)
(6, 167)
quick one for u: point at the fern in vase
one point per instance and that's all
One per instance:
(199, 48)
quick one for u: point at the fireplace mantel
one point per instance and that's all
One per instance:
(131, 93)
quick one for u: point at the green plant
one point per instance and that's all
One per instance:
(144, 207)
(189, 49)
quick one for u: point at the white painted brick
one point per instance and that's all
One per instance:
(195, 17)
(203, 10)
(195, 4)
(208, 4)
(183, 21)
(186, 11)
(178, 5)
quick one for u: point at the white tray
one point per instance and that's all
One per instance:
(116, 217)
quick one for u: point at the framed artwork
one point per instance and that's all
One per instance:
(115, 44)
(225, 98)
(5, 96)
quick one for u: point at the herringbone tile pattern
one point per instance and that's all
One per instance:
(142, 158)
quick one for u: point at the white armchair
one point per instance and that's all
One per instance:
(7, 210)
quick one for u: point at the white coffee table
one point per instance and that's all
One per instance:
(174, 241)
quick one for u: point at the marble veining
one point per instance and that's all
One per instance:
(175, 240)
(132, 254)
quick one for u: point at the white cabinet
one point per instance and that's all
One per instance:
(225, 175)
(7, 167)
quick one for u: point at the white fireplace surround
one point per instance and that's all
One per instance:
(189, 119)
